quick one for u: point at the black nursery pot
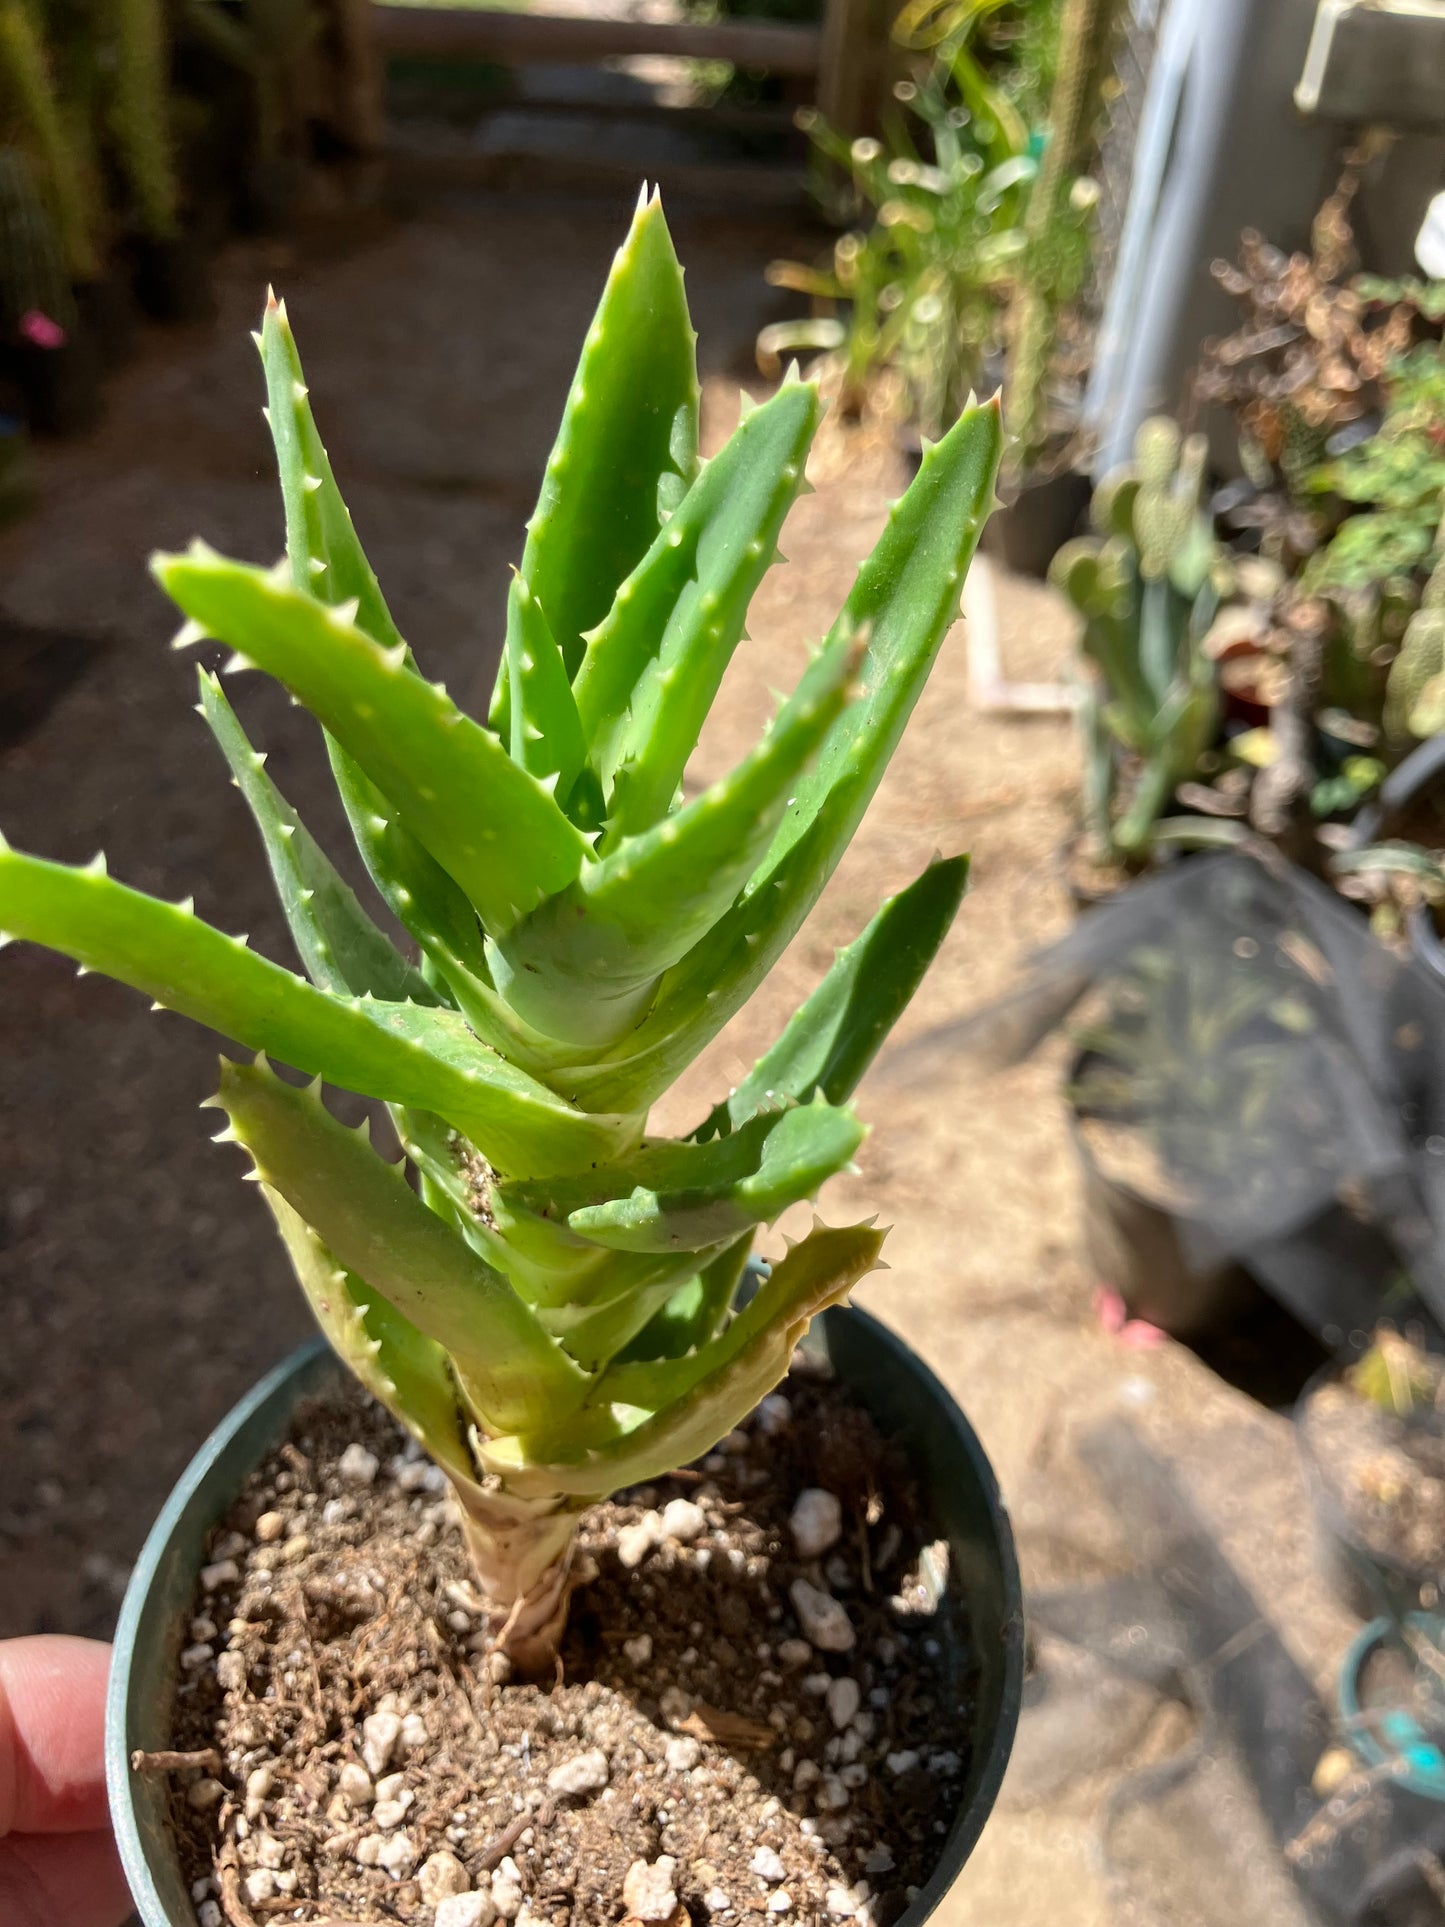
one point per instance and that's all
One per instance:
(1368, 1583)
(1134, 1244)
(906, 1402)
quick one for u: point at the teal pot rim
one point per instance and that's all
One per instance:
(906, 1400)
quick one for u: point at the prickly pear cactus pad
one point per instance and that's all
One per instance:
(542, 1293)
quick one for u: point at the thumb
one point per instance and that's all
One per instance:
(52, 1735)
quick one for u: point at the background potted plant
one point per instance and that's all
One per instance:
(1148, 586)
(554, 1313)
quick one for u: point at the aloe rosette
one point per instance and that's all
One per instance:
(551, 1307)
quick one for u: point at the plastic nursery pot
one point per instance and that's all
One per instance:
(1365, 1581)
(1134, 1244)
(904, 1399)
(1385, 1736)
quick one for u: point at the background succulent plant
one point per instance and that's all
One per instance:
(1148, 585)
(553, 1310)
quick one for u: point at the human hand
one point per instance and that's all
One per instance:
(58, 1864)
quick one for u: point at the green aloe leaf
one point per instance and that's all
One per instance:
(905, 597)
(322, 546)
(686, 1196)
(696, 1312)
(399, 1365)
(363, 1210)
(832, 1038)
(339, 946)
(576, 965)
(631, 1291)
(627, 448)
(642, 1419)
(490, 825)
(654, 665)
(326, 559)
(546, 732)
(410, 881)
(398, 1052)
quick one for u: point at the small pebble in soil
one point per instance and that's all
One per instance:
(379, 1736)
(824, 1621)
(231, 1672)
(683, 1520)
(585, 1773)
(476, 1909)
(467, 1910)
(647, 1891)
(441, 1877)
(781, 1902)
(774, 1415)
(682, 1754)
(767, 1865)
(634, 1542)
(270, 1527)
(716, 1901)
(355, 1782)
(844, 1696)
(398, 1855)
(507, 1889)
(638, 1651)
(358, 1466)
(816, 1522)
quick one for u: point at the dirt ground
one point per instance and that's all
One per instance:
(142, 1285)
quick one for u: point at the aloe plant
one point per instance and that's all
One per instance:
(553, 1311)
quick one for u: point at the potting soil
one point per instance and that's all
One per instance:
(691, 1730)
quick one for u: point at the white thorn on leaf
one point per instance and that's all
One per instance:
(188, 634)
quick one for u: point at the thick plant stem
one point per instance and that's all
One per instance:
(522, 1553)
